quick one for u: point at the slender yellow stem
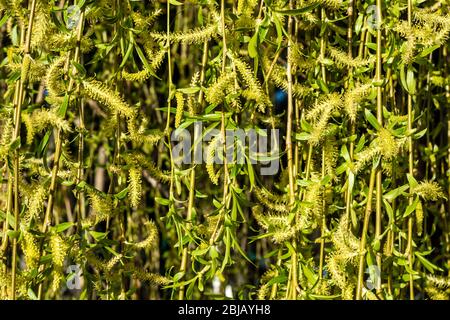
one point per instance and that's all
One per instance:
(16, 135)
(379, 177)
(409, 249)
(362, 244)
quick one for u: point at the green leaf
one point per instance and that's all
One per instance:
(162, 201)
(178, 276)
(63, 108)
(410, 209)
(412, 181)
(13, 234)
(253, 46)
(425, 52)
(127, 54)
(175, 3)
(302, 136)
(372, 120)
(15, 144)
(3, 20)
(62, 226)
(391, 195)
(278, 279)
(296, 12)
(122, 194)
(81, 70)
(411, 82)
(426, 263)
(98, 236)
(31, 294)
(145, 62)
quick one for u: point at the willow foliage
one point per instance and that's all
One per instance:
(94, 93)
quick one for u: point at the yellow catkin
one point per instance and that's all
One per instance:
(155, 61)
(35, 203)
(98, 91)
(419, 218)
(320, 115)
(152, 278)
(112, 262)
(135, 185)
(254, 91)
(102, 209)
(263, 291)
(143, 22)
(342, 59)
(217, 92)
(41, 119)
(180, 109)
(5, 137)
(198, 35)
(25, 67)
(274, 203)
(30, 249)
(59, 249)
(211, 153)
(53, 80)
(353, 98)
(152, 239)
(429, 190)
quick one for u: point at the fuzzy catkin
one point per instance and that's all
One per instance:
(180, 108)
(152, 239)
(194, 36)
(135, 185)
(429, 190)
(98, 91)
(213, 147)
(254, 91)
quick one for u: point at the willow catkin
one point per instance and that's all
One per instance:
(217, 91)
(429, 190)
(156, 59)
(270, 201)
(152, 238)
(143, 22)
(354, 97)
(180, 108)
(30, 250)
(342, 59)
(5, 137)
(135, 185)
(59, 251)
(419, 218)
(198, 35)
(253, 91)
(98, 91)
(53, 81)
(102, 208)
(213, 147)
(35, 204)
(152, 278)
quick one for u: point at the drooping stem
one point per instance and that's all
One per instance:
(58, 148)
(409, 248)
(292, 284)
(379, 191)
(348, 194)
(183, 267)
(362, 244)
(16, 135)
(322, 228)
